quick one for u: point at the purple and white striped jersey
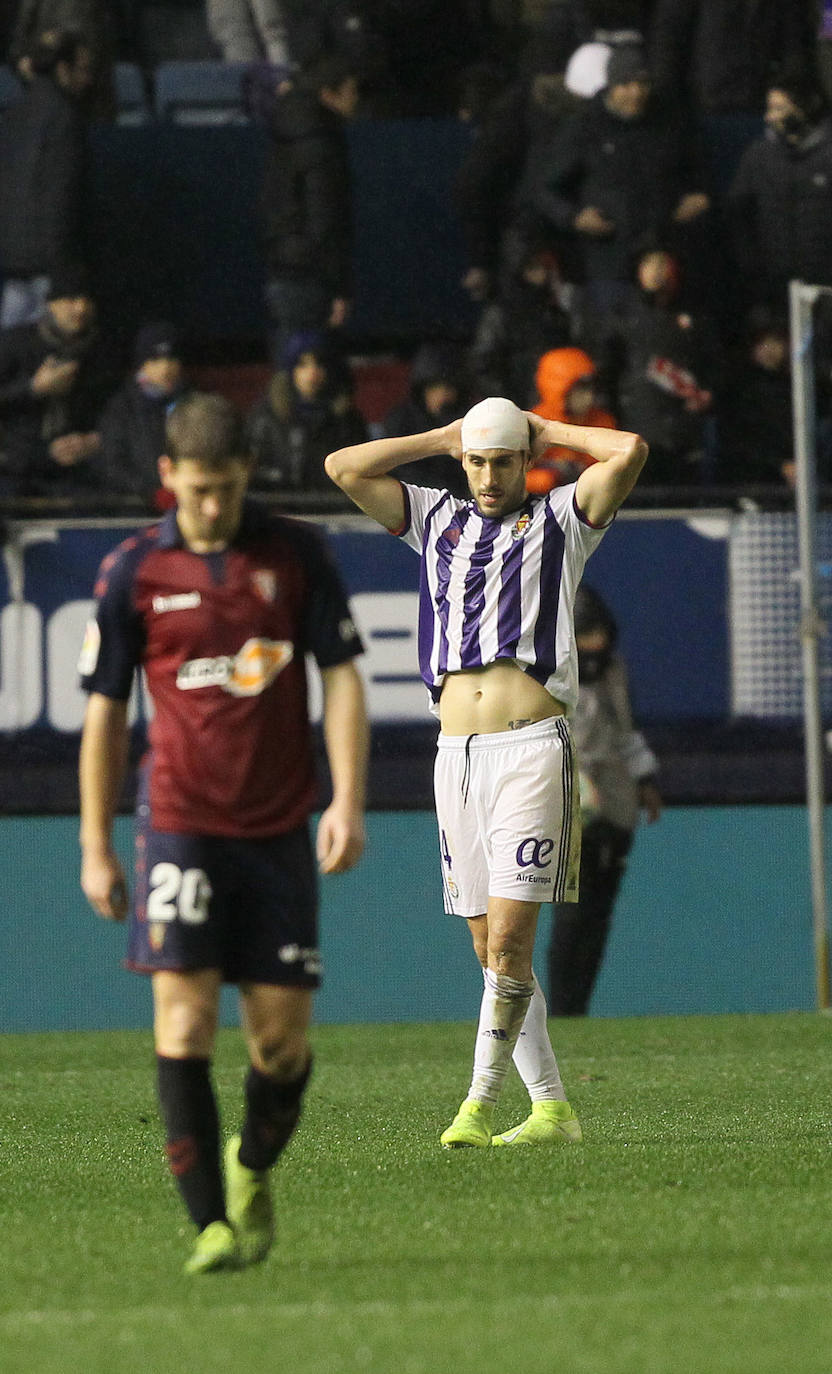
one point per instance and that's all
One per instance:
(492, 589)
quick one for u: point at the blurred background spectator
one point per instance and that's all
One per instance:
(567, 385)
(306, 204)
(494, 188)
(250, 30)
(617, 780)
(661, 362)
(780, 200)
(719, 55)
(438, 393)
(46, 21)
(291, 36)
(754, 405)
(43, 182)
(308, 410)
(622, 168)
(55, 377)
(132, 425)
(523, 319)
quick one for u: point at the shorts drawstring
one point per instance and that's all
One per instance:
(466, 776)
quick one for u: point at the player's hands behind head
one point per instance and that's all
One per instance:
(543, 434)
(452, 439)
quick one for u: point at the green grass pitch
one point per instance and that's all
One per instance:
(691, 1233)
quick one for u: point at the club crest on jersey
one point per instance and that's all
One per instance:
(520, 525)
(244, 674)
(265, 583)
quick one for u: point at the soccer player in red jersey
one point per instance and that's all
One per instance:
(219, 604)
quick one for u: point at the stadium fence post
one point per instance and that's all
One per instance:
(802, 298)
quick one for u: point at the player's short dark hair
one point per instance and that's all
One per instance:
(207, 428)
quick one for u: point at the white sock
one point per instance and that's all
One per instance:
(502, 1012)
(533, 1054)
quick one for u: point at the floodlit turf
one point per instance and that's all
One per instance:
(691, 1233)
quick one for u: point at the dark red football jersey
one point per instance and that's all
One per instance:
(222, 639)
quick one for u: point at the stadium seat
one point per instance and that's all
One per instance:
(202, 92)
(11, 87)
(132, 106)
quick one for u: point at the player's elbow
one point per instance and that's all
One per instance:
(337, 469)
(635, 453)
(636, 448)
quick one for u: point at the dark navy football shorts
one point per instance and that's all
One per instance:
(246, 907)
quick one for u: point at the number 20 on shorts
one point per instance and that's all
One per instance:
(177, 893)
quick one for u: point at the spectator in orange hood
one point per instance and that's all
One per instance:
(566, 385)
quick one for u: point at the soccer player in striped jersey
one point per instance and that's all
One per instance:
(497, 654)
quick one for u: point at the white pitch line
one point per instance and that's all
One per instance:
(784, 1292)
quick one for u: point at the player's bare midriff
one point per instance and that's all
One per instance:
(500, 696)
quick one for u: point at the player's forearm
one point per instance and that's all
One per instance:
(604, 445)
(377, 457)
(102, 769)
(346, 735)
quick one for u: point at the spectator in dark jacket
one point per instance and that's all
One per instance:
(55, 378)
(662, 361)
(308, 411)
(781, 197)
(718, 57)
(754, 407)
(622, 168)
(42, 178)
(721, 54)
(439, 393)
(132, 425)
(307, 203)
(523, 320)
(291, 35)
(495, 184)
(93, 21)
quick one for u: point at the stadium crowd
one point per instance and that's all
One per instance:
(642, 180)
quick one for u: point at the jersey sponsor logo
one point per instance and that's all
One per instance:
(535, 852)
(181, 601)
(244, 674)
(264, 581)
(88, 657)
(520, 526)
(346, 629)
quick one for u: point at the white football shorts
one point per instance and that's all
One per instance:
(507, 806)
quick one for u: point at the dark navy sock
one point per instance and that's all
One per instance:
(272, 1113)
(192, 1135)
